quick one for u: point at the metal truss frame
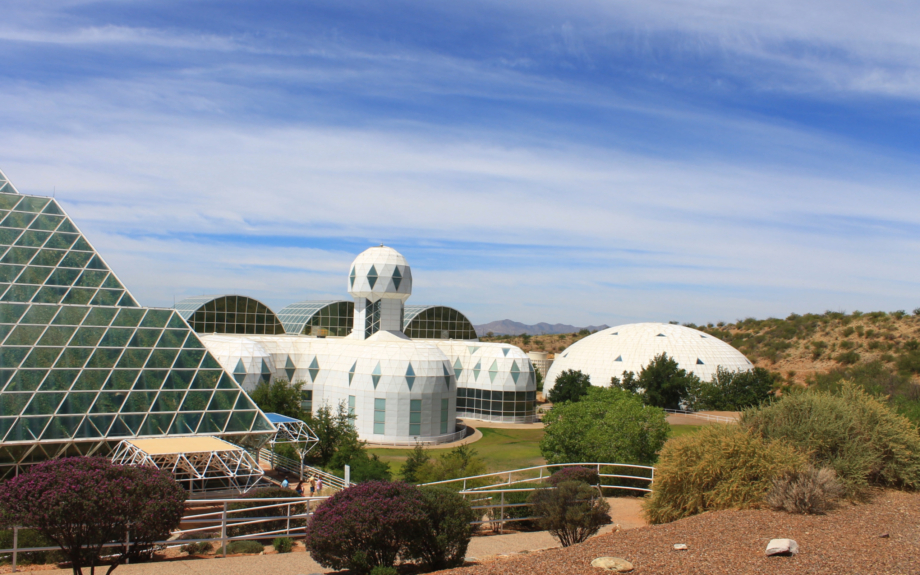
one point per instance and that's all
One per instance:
(232, 468)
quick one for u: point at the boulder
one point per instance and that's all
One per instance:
(680, 546)
(782, 547)
(612, 564)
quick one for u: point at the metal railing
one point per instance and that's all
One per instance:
(294, 466)
(461, 433)
(706, 416)
(538, 474)
(220, 515)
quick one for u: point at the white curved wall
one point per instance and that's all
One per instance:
(630, 347)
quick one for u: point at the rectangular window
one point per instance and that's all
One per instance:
(380, 415)
(444, 406)
(351, 405)
(415, 417)
(306, 400)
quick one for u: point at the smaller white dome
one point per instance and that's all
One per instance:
(631, 347)
(380, 273)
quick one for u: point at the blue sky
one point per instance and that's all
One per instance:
(583, 162)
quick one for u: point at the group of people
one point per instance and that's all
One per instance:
(315, 484)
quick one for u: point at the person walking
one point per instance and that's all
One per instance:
(312, 485)
(319, 485)
(299, 489)
(284, 484)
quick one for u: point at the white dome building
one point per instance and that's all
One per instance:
(400, 390)
(631, 347)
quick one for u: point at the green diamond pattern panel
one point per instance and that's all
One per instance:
(83, 366)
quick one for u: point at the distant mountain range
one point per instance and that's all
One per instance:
(508, 327)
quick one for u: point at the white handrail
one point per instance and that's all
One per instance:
(706, 416)
(291, 466)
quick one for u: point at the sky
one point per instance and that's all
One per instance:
(582, 162)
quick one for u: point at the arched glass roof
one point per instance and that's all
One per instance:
(321, 318)
(436, 322)
(236, 314)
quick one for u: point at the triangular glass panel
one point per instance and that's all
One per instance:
(493, 371)
(446, 375)
(699, 361)
(397, 278)
(619, 358)
(313, 369)
(661, 335)
(515, 371)
(351, 278)
(239, 372)
(410, 376)
(505, 351)
(476, 370)
(375, 375)
(372, 277)
(472, 349)
(458, 369)
(615, 333)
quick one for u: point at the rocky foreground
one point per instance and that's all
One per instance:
(877, 538)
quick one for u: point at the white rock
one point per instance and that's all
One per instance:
(782, 547)
(612, 564)
(680, 546)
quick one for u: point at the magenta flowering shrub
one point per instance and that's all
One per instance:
(369, 525)
(82, 503)
(574, 473)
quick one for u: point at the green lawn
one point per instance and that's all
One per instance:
(679, 430)
(502, 449)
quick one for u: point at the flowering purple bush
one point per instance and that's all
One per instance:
(369, 525)
(574, 473)
(82, 503)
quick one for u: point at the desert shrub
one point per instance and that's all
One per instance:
(367, 525)
(383, 570)
(718, 467)
(850, 431)
(242, 511)
(909, 361)
(364, 466)
(283, 544)
(30, 538)
(82, 503)
(245, 547)
(810, 490)
(198, 548)
(443, 542)
(877, 379)
(570, 385)
(847, 358)
(571, 511)
(607, 425)
(584, 474)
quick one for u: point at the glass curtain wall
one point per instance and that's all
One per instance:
(237, 315)
(437, 322)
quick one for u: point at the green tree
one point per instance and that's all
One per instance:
(539, 379)
(334, 429)
(733, 390)
(461, 461)
(662, 383)
(364, 466)
(280, 396)
(416, 460)
(570, 385)
(608, 425)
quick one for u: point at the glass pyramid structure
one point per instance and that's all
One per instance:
(82, 366)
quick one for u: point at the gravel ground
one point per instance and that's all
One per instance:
(846, 541)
